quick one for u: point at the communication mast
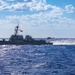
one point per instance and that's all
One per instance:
(17, 30)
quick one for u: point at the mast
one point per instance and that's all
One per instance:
(17, 30)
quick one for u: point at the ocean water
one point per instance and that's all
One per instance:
(56, 59)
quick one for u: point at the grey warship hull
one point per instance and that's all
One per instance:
(23, 43)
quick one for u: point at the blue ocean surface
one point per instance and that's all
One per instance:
(56, 59)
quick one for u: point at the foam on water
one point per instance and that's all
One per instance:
(63, 41)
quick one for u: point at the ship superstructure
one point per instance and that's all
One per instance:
(17, 39)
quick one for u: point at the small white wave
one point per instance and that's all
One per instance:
(39, 65)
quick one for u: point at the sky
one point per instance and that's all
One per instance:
(39, 18)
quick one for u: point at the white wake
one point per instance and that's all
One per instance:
(64, 42)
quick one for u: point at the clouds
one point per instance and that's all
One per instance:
(22, 5)
(38, 25)
(48, 14)
(44, 19)
(70, 8)
(31, 5)
(46, 22)
(36, 15)
(25, 5)
(11, 7)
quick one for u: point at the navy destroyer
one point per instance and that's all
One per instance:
(17, 39)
